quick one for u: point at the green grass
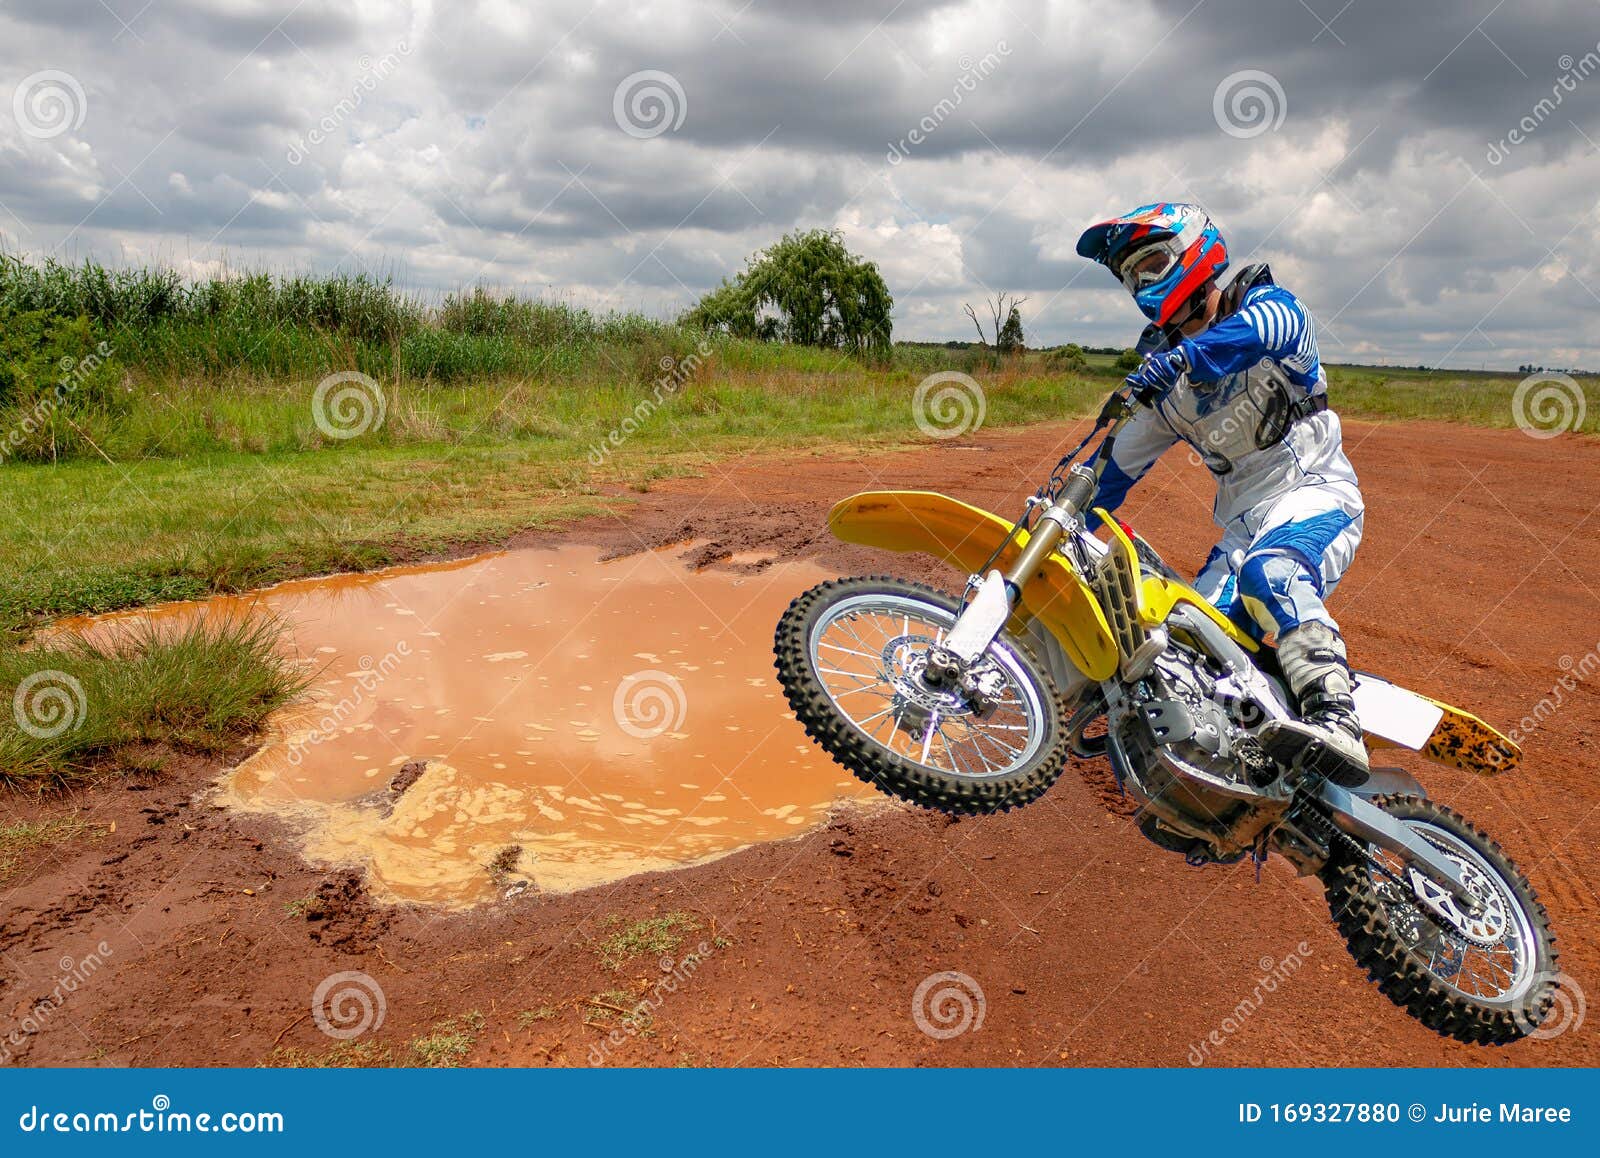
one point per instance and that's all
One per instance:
(250, 502)
(531, 1017)
(80, 703)
(656, 936)
(245, 491)
(620, 1009)
(448, 1043)
(25, 839)
(344, 1055)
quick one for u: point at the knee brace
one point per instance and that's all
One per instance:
(1279, 592)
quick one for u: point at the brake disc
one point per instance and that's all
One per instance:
(905, 657)
(1483, 929)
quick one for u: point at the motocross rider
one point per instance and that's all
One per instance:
(1234, 373)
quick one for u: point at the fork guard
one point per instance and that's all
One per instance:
(965, 536)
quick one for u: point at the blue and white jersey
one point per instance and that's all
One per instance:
(1269, 323)
(1234, 409)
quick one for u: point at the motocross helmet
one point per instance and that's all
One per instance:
(1163, 253)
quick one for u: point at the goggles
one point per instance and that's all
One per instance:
(1149, 264)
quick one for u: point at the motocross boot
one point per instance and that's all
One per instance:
(1312, 658)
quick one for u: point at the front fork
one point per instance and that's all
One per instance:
(950, 663)
(986, 614)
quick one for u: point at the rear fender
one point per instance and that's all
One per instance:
(964, 537)
(1396, 718)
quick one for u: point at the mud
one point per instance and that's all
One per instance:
(1478, 583)
(535, 718)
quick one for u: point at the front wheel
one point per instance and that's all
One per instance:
(850, 657)
(1487, 977)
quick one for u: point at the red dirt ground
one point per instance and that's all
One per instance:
(1477, 583)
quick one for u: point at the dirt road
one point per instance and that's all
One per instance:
(1478, 582)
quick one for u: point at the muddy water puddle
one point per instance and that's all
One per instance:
(535, 719)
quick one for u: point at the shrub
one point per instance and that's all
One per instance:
(56, 377)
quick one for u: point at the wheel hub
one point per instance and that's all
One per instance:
(1484, 928)
(905, 657)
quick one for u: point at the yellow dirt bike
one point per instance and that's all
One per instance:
(1065, 644)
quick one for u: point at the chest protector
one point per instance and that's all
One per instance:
(1242, 413)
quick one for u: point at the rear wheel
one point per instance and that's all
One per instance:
(850, 657)
(1487, 977)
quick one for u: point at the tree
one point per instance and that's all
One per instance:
(1007, 322)
(807, 289)
(1010, 339)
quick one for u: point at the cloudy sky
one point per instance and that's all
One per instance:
(1425, 175)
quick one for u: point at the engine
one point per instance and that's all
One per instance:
(1180, 742)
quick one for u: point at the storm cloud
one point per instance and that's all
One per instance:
(1424, 175)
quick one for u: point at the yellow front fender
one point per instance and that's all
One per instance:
(965, 536)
